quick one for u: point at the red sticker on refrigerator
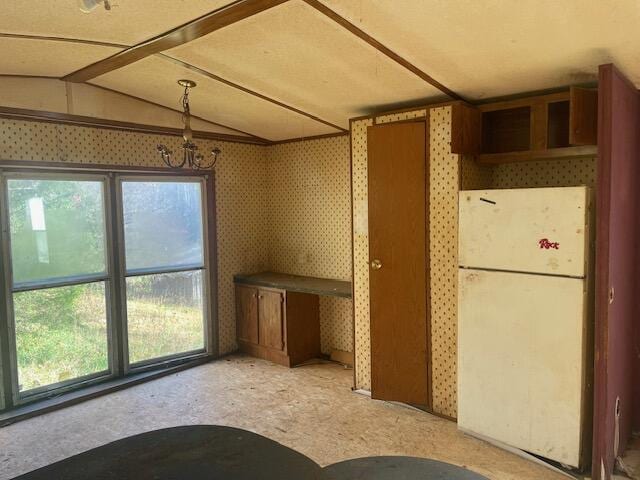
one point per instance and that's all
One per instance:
(547, 244)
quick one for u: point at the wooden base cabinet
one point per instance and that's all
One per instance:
(277, 325)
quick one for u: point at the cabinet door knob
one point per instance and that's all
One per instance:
(376, 264)
(260, 296)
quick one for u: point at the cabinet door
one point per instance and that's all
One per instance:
(583, 116)
(271, 319)
(247, 313)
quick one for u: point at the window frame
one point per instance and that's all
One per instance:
(151, 363)
(114, 278)
(18, 397)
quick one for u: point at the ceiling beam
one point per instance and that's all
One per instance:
(220, 18)
(320, 7)
(212, 76)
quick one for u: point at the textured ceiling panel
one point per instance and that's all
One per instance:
(491, 48)
(51, 95)
(128, 21)
(96, 102)
(47, 57)
(155, 78)
(298, 56)
(46, 94)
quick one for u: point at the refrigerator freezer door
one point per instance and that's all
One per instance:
(521, 358)
(541, 230)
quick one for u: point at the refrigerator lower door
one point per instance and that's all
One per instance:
(521, 354)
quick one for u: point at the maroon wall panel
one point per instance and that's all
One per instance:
(617, 279)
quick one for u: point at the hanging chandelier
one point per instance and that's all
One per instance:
(190, 156)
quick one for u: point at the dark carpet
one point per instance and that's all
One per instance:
(397, 468)
(208, 452)
(199, 452)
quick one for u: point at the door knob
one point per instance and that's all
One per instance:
(376, 264)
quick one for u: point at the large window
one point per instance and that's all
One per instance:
(102, 276)
(58, 279)
(164, 258)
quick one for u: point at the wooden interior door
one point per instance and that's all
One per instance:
(397, 173)
(271, 319)
(247, 313)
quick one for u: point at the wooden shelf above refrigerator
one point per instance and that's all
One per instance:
(532, 155)
(558, 125)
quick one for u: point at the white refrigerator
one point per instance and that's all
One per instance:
(523, 319)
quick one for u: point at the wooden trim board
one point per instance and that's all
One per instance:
(380, 47)
(220, 18)
(80, 120)
(314, 137)
(19, 36)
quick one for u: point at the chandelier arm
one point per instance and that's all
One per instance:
(199, 165)
(179, 164)
(166, 155)
(215, 152)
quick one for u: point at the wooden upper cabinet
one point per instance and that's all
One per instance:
(271, 324)
(583, 116)
(466, 134)
(247, 313)
(560, 124)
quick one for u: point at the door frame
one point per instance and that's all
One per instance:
(616, 393)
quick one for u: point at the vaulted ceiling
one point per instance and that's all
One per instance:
(280, 69)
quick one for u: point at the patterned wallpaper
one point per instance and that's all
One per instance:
(362, 343)
(567, 172)
(443, 238)
(474, 176)
(309, 223)
(241, 204)
(305, 194)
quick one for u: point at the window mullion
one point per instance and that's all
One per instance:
(118, 300)
(5, 317)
